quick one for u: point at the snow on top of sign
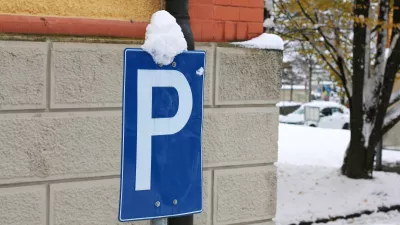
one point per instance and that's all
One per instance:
(164, 38)
(264, 41)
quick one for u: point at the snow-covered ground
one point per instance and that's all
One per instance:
(310, 185)
(300, 145)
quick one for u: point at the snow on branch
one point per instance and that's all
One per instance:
(393, 44)
(394, 98)
(392, 118)
(269, 23)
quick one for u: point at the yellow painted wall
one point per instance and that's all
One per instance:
(138, 10)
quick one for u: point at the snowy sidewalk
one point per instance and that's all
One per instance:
(310, 186)
(390, 218)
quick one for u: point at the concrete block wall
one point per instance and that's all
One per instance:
(60, 121)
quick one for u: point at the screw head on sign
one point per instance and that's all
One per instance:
(175, 202)
(158, 204)
(174, 64)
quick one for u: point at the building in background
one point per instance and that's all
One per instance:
(217, 20)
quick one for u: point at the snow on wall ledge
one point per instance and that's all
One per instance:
(264, 41)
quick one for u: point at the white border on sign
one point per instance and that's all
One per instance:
(122, 144)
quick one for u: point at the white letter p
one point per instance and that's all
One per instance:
(148, 126)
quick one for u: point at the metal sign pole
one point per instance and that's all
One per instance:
(163, 221)
(182, 220)
(180, 10)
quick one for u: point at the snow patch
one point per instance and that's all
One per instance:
(310, 185)
(200, 71)
(269, 23)
(264, 41)
(268, 4)
(295, 87)
(308, 193)
(288, 103)
(302, 145)
(391, 158)
(164, 38)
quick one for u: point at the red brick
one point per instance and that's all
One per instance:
(219, 31)
(204, 12)
(226, 13)
(230, 31)
(256, 3)
(212, 31)
(207, 2)
(251, 36)
(207, 29)
(240, 3)
(196, 29)
(223, 2)
(241, 31)
(251, 14)
(255, 28)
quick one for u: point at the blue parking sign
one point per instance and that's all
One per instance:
(161, 165)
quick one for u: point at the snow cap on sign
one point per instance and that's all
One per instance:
(264, 41)
(164, 38)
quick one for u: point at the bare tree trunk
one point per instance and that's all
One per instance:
(310, 70)
(291, 91)
(355, 164)
(372, 94)
(378, 161)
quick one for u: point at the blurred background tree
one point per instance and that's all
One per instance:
(357, 42)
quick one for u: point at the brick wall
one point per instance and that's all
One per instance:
(226, 20)
(211, 20)
(60, 119)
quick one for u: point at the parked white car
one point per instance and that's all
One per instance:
(331, 115)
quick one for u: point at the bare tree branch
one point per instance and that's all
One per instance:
(341, 76)
(339, 57)
(305, 13)
(343, 70)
